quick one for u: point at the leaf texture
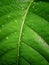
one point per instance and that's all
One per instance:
(24, 32)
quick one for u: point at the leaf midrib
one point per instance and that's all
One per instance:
(21, 29)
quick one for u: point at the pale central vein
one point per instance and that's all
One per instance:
(24, 17)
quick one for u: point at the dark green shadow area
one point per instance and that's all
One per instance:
(42, 0)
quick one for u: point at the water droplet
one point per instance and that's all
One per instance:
(6, 37)
(2, 25)
(16, 21)
(15, 32)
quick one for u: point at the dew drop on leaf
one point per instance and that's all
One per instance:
(6, 37)
(2, 25)
(15, 21)
(15, 32)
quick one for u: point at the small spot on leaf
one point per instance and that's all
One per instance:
(15, 21)
(6, 37)
(2, 25)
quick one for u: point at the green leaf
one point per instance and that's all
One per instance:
(24, 32)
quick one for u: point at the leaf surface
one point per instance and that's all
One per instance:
(24, 32)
